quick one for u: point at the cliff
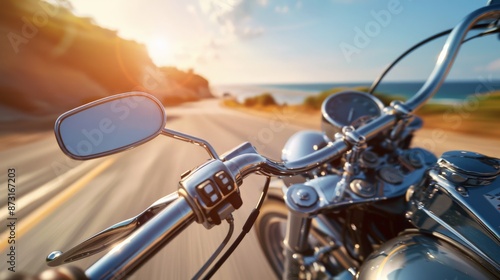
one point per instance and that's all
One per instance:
(52, 61)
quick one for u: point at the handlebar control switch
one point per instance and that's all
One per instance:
(211, 192)
(224, 182)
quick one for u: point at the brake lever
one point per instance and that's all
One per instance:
(110, 236)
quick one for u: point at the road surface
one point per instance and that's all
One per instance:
(121, 186)
(61, 202)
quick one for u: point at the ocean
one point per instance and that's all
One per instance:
(450, 91)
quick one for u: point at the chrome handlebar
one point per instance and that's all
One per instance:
(250, 163)
(449, 52)
(132, 252)
(244, 160)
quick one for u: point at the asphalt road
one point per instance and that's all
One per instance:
(78, 199)
(105, 191)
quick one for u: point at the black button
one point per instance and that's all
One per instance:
(209, 193)
(224, 182)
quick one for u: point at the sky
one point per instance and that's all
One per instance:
(295, 41)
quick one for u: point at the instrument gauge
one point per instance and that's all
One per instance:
(346, 108)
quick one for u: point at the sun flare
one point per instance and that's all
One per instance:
(159, 50)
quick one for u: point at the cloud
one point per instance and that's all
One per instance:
(191, 55)
(249, 33)
(263, 2)
(494, 65)
(281, 9)
(191, 9)
(234, 17)
(233, 21)
(296, 26)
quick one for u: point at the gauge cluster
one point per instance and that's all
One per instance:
(353, 108)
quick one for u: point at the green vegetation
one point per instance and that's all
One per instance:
(479, 114)
(315, 101)
(484, 107)
(265, 99)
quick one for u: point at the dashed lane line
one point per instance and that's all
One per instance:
(30, 221)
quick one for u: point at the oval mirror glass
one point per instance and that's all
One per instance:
(110, 125)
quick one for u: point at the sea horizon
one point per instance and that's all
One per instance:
(452, 91)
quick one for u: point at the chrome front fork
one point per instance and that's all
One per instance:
(301, 200)
(301, 259)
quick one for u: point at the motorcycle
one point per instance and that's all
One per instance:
(357, 201)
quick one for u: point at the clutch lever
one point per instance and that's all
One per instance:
(110, 236)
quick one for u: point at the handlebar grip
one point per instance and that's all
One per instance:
(130, 254)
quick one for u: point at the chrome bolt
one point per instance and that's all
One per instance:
(303, 195)
(408, 215)
(462, 191)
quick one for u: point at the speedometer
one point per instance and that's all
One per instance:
(345, 108)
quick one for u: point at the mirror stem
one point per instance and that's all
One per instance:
(191, 139)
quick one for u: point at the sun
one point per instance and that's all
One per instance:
(159, 51)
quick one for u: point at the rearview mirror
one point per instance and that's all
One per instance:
(110, 125)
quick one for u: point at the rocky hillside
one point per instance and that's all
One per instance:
(51, 61)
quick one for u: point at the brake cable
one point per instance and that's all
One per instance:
(246, 228)
(425, 41)
(212, 258)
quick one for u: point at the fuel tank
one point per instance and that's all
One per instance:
(459, 199)
(419, 256)
(456, 214)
